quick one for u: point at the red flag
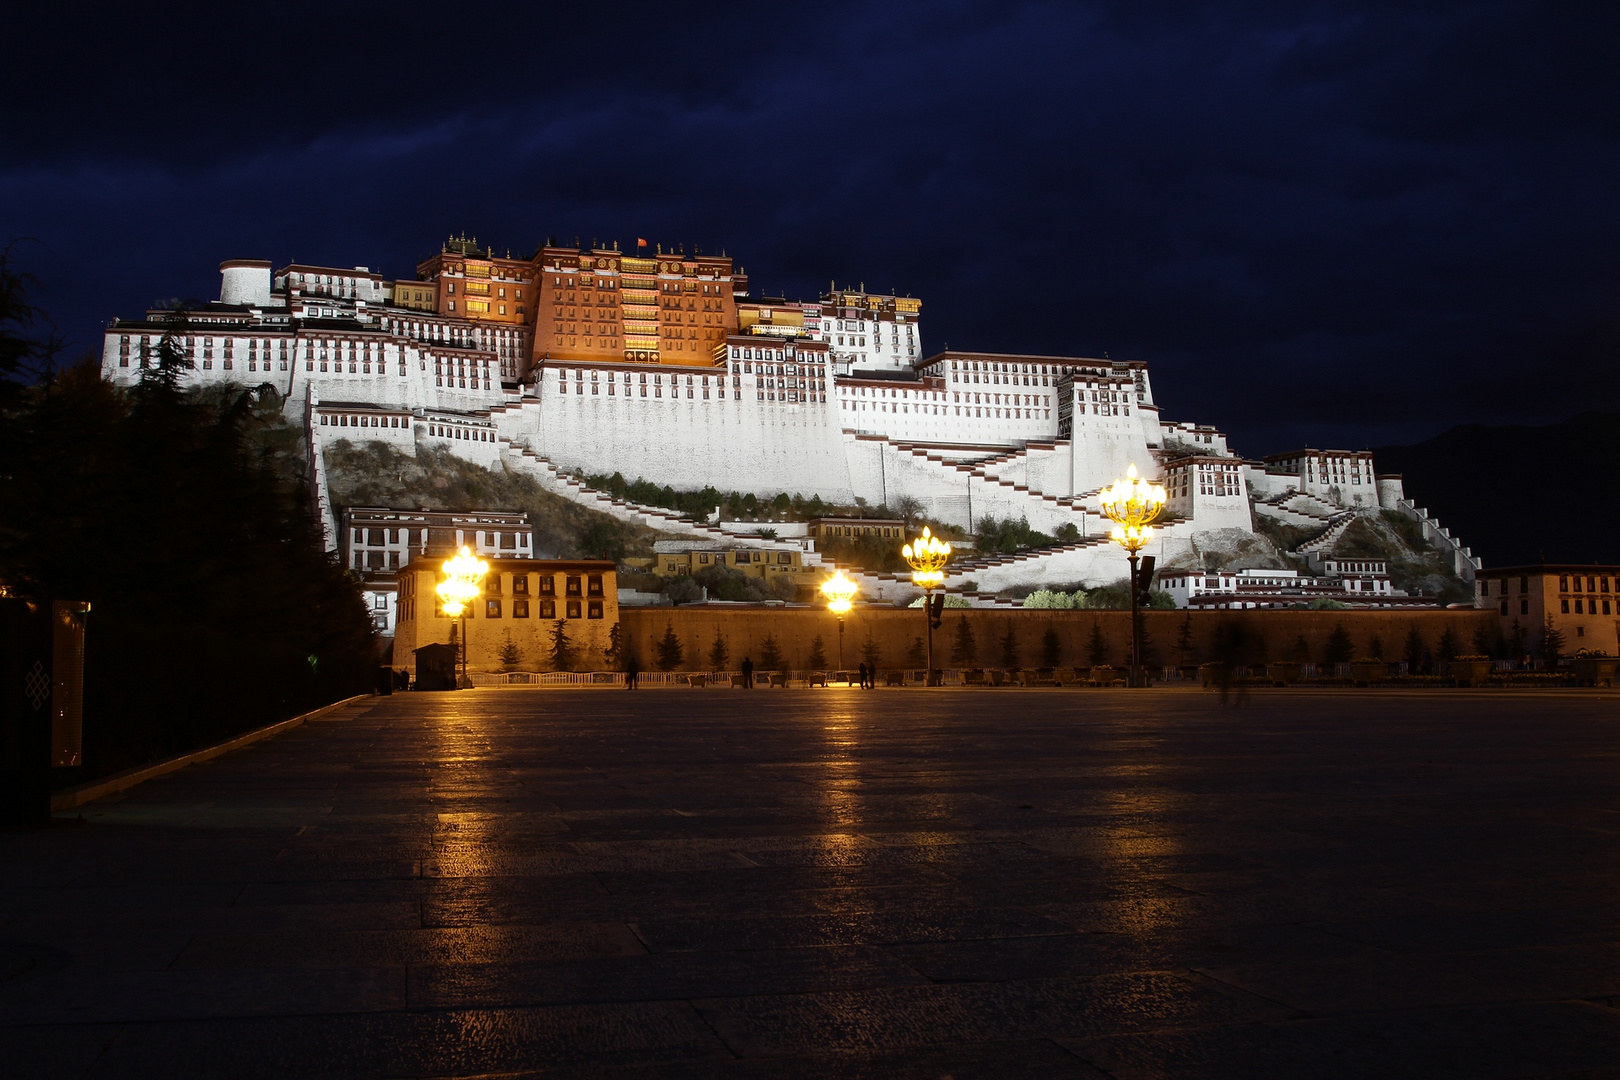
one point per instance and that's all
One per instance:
(640, 242)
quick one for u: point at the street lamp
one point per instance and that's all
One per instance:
(840, 593)
(1131, 503)
(927, 556)
(463, 580)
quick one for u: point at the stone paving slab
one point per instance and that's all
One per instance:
(833, 884)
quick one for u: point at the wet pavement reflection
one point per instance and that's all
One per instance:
(907, 883)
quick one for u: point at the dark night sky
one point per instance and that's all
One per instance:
(1342, 224)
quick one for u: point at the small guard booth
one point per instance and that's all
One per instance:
(435, 667)
(41, 701)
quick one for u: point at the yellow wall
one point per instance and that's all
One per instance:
(893, 629)
(420, 622)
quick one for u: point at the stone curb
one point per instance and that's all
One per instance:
(68, 798)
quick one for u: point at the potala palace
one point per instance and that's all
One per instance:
(660, 365)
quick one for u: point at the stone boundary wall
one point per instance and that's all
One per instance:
(893, 630)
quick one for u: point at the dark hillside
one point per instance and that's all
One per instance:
(1516, 493)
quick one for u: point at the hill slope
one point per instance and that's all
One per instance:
(1477, 480)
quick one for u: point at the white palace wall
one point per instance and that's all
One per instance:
(685, 441)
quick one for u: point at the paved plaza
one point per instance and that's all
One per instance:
(835, 884)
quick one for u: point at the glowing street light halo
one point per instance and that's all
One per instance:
(1131, 504)
(464, 575)
(840, 593)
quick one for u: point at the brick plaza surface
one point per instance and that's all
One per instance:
(832, 884)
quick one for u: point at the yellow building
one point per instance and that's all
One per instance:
(1583, 603)
(852, 529)
(523, 602)
(416, 295)
(677, 558)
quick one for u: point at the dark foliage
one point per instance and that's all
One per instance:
(670, 653)
(214, 607)
(818, 654)
(770, 655)
(1339, 649)
(1051, 648)
(1097, 646)
(964, 649)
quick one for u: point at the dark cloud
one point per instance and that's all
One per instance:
(1334, 223)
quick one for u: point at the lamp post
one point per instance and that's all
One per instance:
(463, 581)
(840, 593)
(1131, 503)
(927, 556)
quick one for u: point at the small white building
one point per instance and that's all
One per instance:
(1360, 583)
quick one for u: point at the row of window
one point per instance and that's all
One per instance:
(543, 609)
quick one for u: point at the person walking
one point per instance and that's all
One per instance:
(862, 671)
(632, 669)
(748, 673)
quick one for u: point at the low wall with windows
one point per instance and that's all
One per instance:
(1264, 635)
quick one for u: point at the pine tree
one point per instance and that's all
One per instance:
(917, 655)
(670, 653)
(1552, 641)
(770, 655)
(1485, 644)
(964, 650)
(1097, 647)
(615, 652)
(1446, 650)
(1412, 651)
(1051, 648)
(870, 651)
(1302, 651)
(718, 653)
(818, 654)
(1375, 648)
(511, 654)
(1339, 648)
(562, 649)
(1009, 646)
(1184, 641)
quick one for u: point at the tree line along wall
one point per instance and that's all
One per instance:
(1273, 635)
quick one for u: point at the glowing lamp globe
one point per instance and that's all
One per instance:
(1130, 504)
(927, 556)
(840, 593)
(464, 579)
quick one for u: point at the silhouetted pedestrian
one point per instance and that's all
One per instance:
(862, 673)
(748, 673)
(632, 669)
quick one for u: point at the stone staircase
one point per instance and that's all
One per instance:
(550, 476)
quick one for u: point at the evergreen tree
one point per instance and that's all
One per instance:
(1412, 651)
(870, 651)
(1446, 650)
(1339, 649)
(1552, 641)
(511, 653)
(1302, 651)
(1009, 646)
(917, 655)
(718, 653)
(770, 655)
(818, 654)
(669, 651)
(1150, 650)
(964, 650)
(1097, 647)
(1184, 641)
(615, 652)
(1375, 648)
(562, 649)
(1051, 648)
(1486, 644)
